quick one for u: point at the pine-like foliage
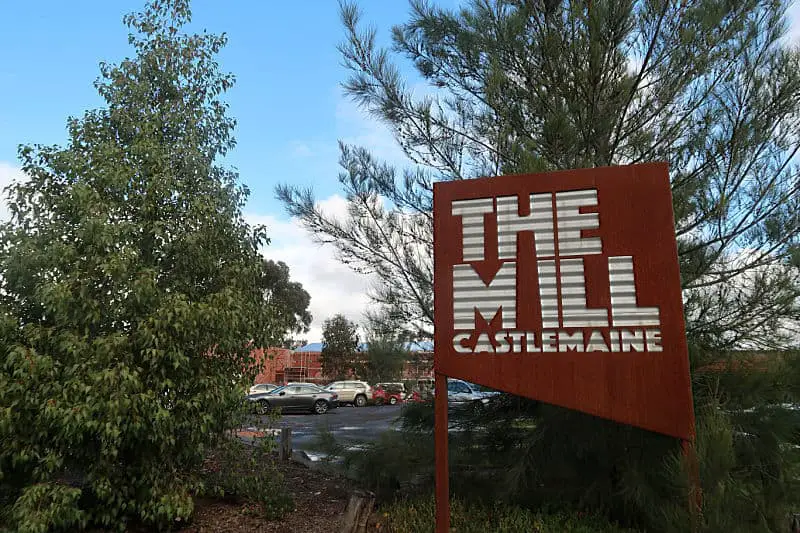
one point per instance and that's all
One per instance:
(131, 290)
(384, 360)
(514, 86)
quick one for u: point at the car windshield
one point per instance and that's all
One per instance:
(279, 389)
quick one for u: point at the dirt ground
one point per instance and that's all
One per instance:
(320, 500)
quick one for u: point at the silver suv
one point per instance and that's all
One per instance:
(462, 393)
(355, 392)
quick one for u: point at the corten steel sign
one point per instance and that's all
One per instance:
(564, 287)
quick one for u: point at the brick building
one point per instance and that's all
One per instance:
(279, 365)
(304, 364)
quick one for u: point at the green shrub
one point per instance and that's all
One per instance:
(397, 463)
(243, 473)
(47, 507)
(325, 443)
(529, 455)
(418, 516)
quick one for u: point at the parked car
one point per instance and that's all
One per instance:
(399, 385)
(462, 393)
(355, 392)
(262, 387)
(415, 397)
(426, 383)
(391, 393)
(295, 397)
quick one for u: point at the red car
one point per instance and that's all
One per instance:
(391, 393)
(417, 397)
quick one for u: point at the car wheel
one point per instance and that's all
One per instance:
(361, 401)
(392, 400)
(262, 407)
(320, 407)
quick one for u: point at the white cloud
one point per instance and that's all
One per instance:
(333, 287)
(354, 126)
(300, 149)
(793, 18)
(8, 174)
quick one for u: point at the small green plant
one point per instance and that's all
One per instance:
(47, 507)
(396, 464)
(246, 472)
(241, 472)
(325, 443)
(418, 516)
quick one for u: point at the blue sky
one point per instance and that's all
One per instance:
(287, 101)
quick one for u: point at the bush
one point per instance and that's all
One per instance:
(242, 473)
(397, 463)
(418, 516)
(47, 507)
(527, 454)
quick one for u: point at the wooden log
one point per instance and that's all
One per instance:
(356, 514)
(285, 451)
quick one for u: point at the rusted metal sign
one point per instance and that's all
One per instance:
(564, 287)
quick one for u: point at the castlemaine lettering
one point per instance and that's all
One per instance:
(556, 222)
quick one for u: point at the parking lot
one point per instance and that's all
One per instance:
(349, 425)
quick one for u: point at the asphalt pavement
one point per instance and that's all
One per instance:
(349, 425)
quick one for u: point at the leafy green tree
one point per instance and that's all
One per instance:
(131, 290)
(339, 347)
(287, 299)
(519, 86)
(294, 343)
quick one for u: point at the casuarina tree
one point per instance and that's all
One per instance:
(512, 86)
(384, 360)
(131, 293)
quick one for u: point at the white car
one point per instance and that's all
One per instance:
(461, 393)
(355, 392)
(262, 387)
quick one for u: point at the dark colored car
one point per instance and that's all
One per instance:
(295, 397)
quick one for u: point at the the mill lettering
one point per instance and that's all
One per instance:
(568, 324)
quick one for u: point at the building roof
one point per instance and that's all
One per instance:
(313, 347)
(420, 346)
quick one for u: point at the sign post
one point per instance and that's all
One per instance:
(563, 287)
(440, 441)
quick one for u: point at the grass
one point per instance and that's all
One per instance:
(418, 516)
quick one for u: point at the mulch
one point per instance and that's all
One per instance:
(319, 498)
